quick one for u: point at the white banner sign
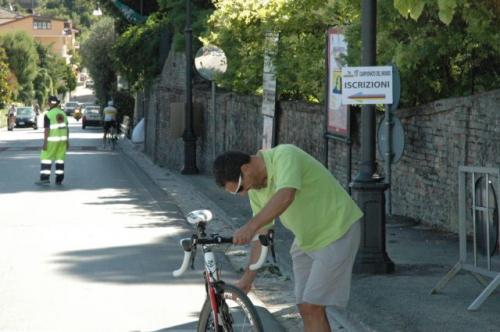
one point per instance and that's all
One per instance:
(269, 86)
(367, 85)
(337, 114)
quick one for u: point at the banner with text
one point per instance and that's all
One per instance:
(367, 85)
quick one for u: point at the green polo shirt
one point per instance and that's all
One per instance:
(322, 210)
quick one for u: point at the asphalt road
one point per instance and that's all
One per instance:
(95, 254)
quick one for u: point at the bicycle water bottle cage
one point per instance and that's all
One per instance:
(197, 216)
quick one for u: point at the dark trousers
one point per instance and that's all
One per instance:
(46, 167)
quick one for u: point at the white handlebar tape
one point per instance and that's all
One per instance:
(185, 264)
(262, 257)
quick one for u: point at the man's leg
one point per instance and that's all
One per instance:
(328, 282)
(45, 168)
(104, 136)
(106, 131)
(59, 171)
(314, 317)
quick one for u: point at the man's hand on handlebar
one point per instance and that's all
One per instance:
(244, 235)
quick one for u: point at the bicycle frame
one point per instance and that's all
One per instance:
(214, 285)
(212, 276)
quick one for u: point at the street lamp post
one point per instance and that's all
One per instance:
(368, 189)
(188, 135)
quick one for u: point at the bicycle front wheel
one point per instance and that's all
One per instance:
(236, 313)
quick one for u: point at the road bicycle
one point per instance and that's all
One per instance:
(226, 308)
(112, 137)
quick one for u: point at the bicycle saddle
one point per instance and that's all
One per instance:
(197, 216)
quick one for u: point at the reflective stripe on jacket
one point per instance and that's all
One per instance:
(58, 135)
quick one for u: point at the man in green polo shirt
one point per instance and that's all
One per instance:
(288, 183)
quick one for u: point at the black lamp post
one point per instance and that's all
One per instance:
(188, 135)
(368, 189)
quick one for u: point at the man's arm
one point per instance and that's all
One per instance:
(274, 208)
(45, 138)
(246, 280)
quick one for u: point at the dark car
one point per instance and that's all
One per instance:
(26, 117)
(91, 116)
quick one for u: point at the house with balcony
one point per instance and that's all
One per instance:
(56, 33)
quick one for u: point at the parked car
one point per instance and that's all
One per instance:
(26, 117)
(89, 83)
(70, 107)
(91, 116)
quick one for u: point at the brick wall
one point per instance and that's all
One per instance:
(439, 137)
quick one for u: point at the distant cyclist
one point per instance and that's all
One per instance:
(109, 119)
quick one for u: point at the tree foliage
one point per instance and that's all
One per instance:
(22, 58)
(136, 51)
(438, 60)
(443, 48)
(78, 11)
(175, 12)
(448, 48)
(96, 53)
(5, 73)
(239, 28)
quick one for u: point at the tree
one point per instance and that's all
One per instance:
(78, 11)
(239, 28)
(96, 57)
(54, 75)
(438, 60)
(136, 51)
(22, 58)
(5, 88)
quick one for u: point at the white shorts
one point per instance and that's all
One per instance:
(323, 277)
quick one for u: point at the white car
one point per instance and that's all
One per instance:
(91, 116)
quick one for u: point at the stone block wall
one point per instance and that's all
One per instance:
(440, 137)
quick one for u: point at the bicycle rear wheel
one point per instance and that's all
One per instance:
(236, 312)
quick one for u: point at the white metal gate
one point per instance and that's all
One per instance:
(484, 206)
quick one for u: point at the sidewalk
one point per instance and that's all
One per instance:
(394, 302)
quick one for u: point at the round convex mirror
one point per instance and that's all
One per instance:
(210, 61)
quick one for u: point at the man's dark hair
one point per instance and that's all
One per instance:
(227, 166)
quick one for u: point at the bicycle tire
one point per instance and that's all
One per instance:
(250, 322)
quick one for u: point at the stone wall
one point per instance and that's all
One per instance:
(439, 137)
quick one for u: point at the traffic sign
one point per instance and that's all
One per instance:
(367, 85)
(397, 139)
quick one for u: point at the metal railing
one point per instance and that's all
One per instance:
(480, 206)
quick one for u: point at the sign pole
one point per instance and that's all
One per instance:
(368, 189)
(388, 158)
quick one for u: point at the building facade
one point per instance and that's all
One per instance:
(58, 34)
